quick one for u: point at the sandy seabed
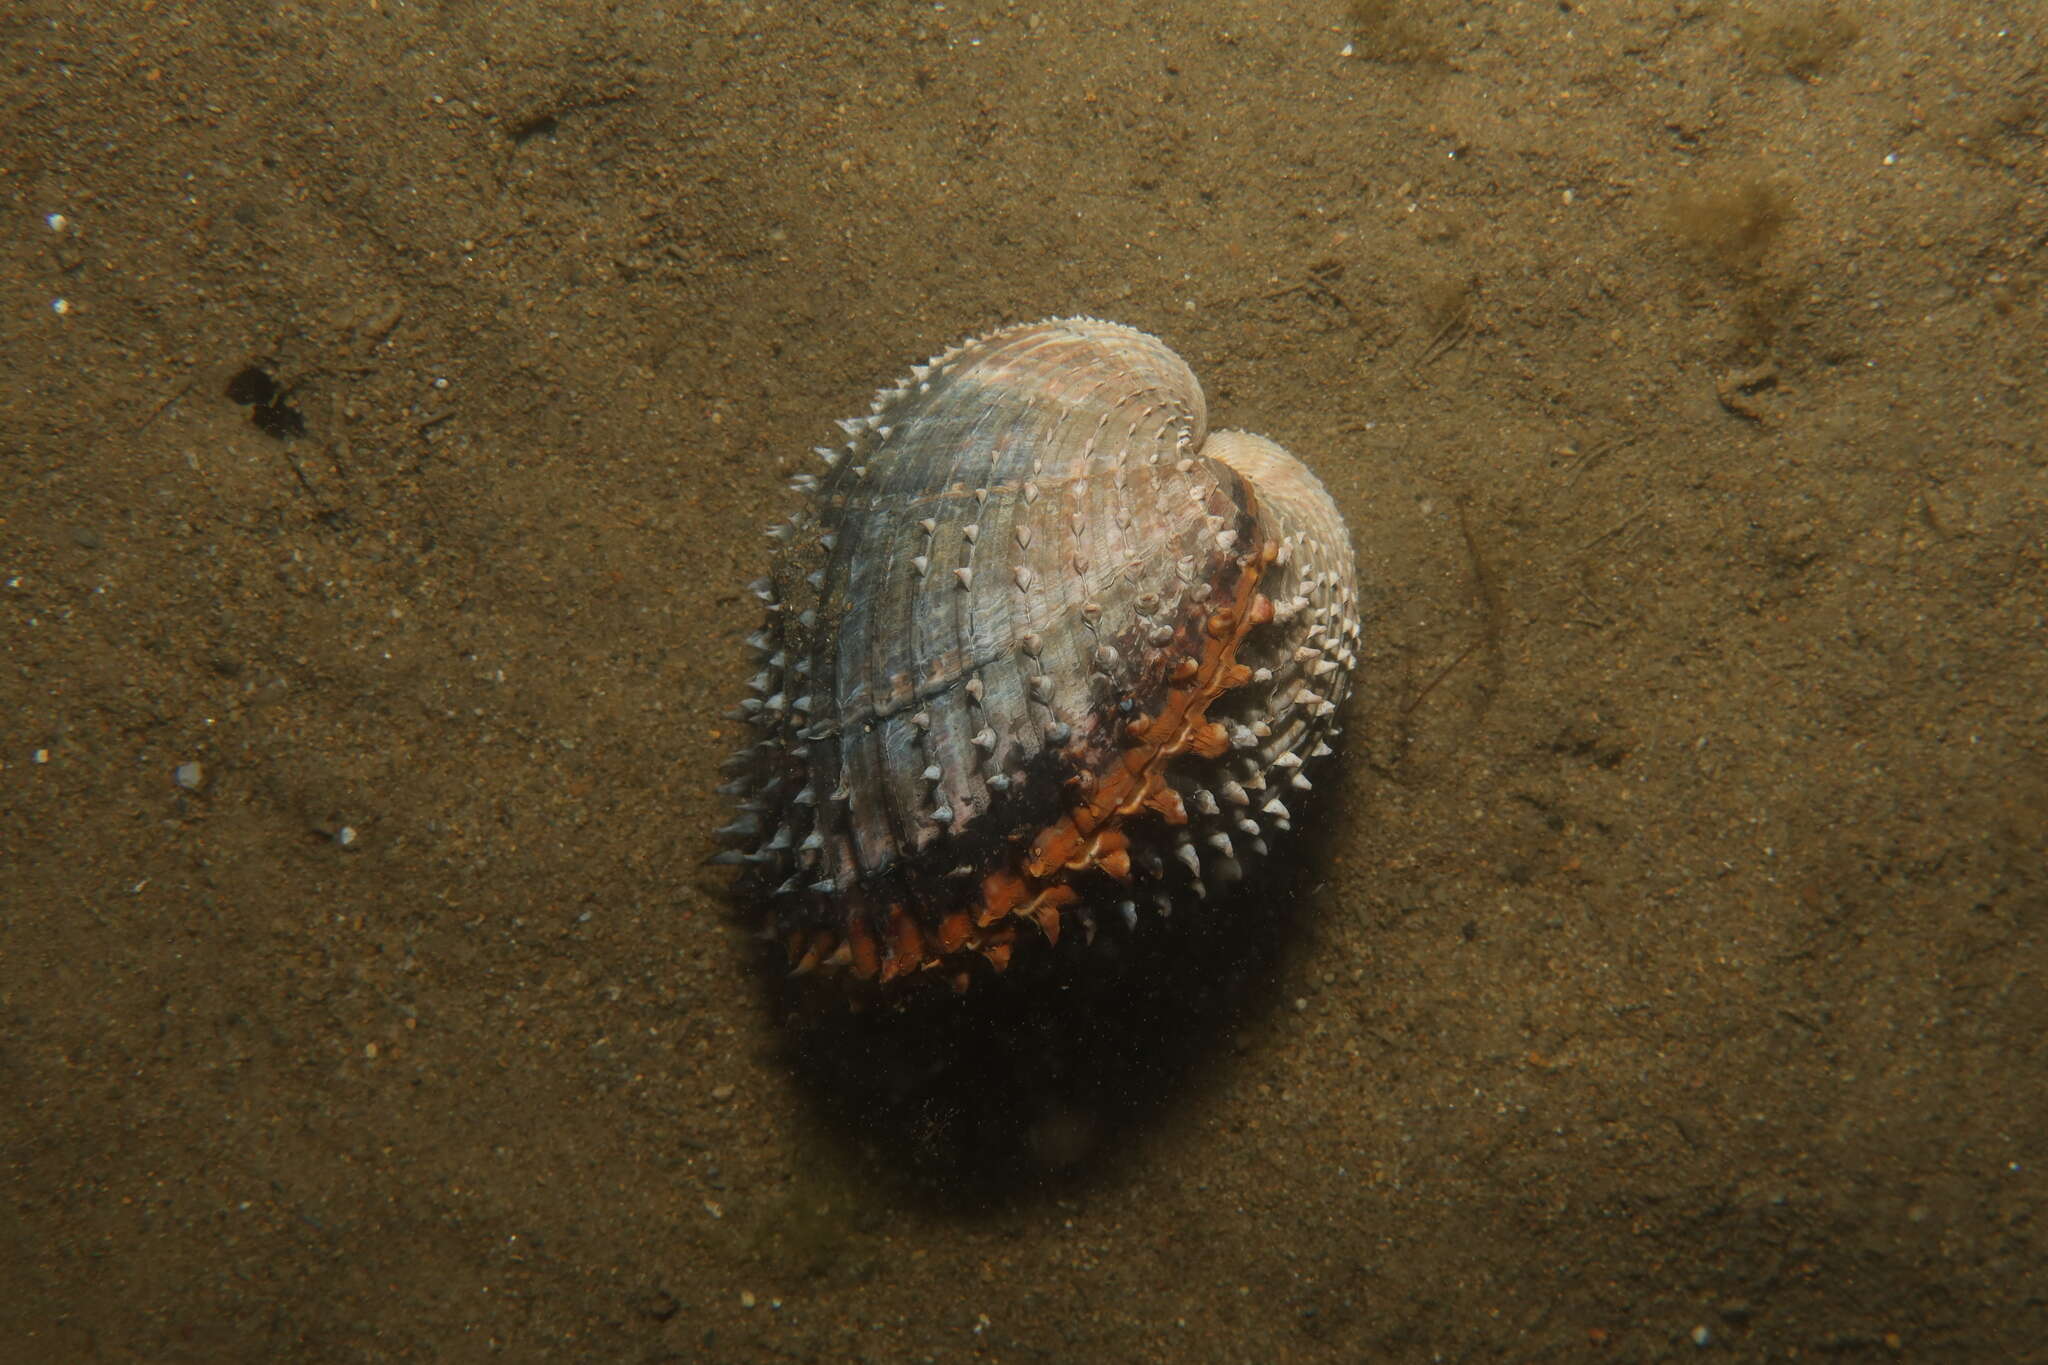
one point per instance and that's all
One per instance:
(1664, 975)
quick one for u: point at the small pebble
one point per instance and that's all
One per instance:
(721, 1093)
(189, 776)
(42, 755)
(747, 1299)
(346, 836)
(1701, 1336)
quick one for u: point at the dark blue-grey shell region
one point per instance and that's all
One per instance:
(1004, 563)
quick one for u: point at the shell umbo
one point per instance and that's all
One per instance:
(1042, 654)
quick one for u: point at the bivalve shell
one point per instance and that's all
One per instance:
(1042, 656)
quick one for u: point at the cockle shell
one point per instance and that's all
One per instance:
(1042, 655)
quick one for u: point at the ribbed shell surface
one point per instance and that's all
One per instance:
(1031, 646)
